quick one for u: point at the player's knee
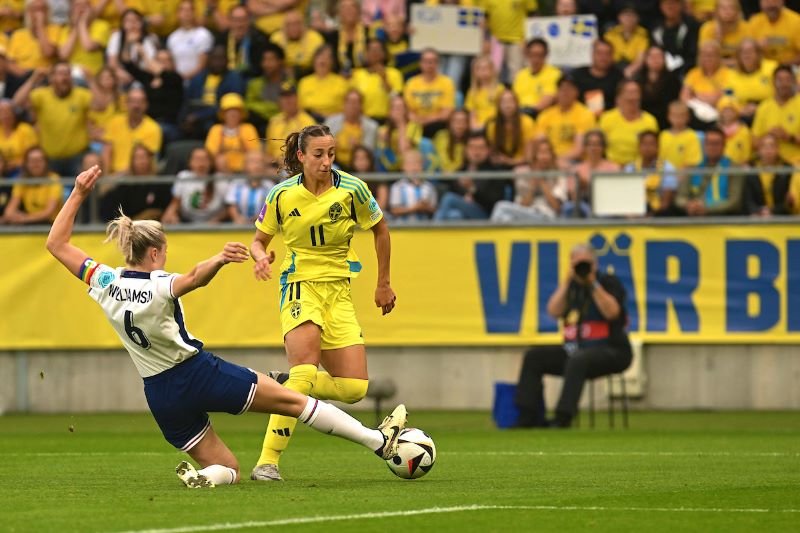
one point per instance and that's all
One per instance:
(352, 390)
(302, 378)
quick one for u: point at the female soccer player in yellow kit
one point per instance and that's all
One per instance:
(318, 210)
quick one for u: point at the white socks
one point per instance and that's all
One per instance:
(219, 475)
(326, 418)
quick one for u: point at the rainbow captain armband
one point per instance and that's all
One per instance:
(87, 270)
(96, 275)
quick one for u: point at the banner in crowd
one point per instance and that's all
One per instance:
(481, 286)
(569, 38)
(447, 29)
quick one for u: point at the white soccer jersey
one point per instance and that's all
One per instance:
(145, 314)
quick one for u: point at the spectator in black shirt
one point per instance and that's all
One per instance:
(677, 34)
(598, 82)
(244, 43)
(592, 308)
(659, 85)
(164, 88)
(8, 82)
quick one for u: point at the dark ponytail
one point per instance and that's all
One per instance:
(298, 140)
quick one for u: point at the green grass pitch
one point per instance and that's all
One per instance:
(670, 472)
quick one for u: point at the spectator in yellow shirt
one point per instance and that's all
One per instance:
(377, 82)
(397, 137)
(11, 18)
(298, 42)
(511, 133)
(738, 141)
(269, 14)
(727, 28)
(780, 115)
(234, 137)
(630, 41)
(679, 145)
(430, 96)
(34, 204)
(34, 45)
(483, 94)
(58, 108)
(83, 41)
(449, 143)
(706, 83)
(127, 130)
(777, 30)
(752, 79)
(290, 118)
(535, 86)
(321, 93)
(16, 138)
(623, 124)
(565, 122)
(506, 20)
(701, 9)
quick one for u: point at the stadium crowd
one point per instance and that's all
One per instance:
(198, 88)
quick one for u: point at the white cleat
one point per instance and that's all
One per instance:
(266, 472)
(191, 478)
(391, 427)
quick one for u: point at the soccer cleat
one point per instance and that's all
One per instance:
(266, 472)
(391, 427)
(277, 375)
(191, 478)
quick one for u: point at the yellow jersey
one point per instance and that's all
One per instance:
(346, 138)
(701, 83)
(730, 41)
(756, 86)
(771, 114)
(55, 116)
(428, 98)
(563, 128)
(274, 22)
(317, 230)
(682, 149)
(527, 135)
(323, 96)
(34, 198)
(441, 144)
(111, 14)
(739, 146)
(14, 146)
(99, 31)
(234, 147)
(123, 138)
(299, 53)
(628, 49)
(374, 92)
(280, 127)
(24, 49)
(622, 135)
(483, 102)
(9, 24)
(783, 37)
(530, 88)
(166, 8)
(507, 18)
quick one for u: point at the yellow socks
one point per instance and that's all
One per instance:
(347, 390)
(280, 428)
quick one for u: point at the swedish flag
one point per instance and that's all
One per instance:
(583, 26)
(469, 17)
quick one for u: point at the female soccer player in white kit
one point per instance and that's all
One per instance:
(183, 382)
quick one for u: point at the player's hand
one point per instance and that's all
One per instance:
(385, 298)
(86, 180)
(262, 268)
(234, 252)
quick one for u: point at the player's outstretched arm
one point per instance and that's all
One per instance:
(384, 295)
(204, 272)
(258, 251)
(58, 243)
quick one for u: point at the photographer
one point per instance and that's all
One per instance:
(592, 307)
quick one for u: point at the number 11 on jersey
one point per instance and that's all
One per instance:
(317, 231)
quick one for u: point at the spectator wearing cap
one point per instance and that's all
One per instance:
(83, 41)
(430, 96)
(321, 93)
(60, 107)
(780, 115)
(127, 130)
(376, 81)
(233, 137)
(738, 139)
(34, 45)
(598, 82)
(243, 43)
(204, 91)
(715, 193)
(727, 27)
(623, 124)
(298, 43)
(751, 81)
(535, 86)
(9, 83)
(261, 97)
(190, 43)
(677, 35)
(290, 119)
(565, 122)
(351, 128)
(777, 30)
(766, 193)
(629, 39)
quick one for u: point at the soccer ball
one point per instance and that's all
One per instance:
(416, 454)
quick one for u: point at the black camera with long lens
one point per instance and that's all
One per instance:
(583, 269)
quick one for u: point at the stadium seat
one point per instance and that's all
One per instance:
(621, 396)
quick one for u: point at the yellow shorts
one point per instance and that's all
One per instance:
(325, 303)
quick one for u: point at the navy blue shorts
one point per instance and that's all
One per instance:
(181, 398)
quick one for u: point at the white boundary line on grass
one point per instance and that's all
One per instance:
(442, 510)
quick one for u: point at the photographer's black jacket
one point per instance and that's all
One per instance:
(585, 325)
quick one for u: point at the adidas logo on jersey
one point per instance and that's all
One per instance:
(295, 213)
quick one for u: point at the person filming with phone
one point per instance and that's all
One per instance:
(591, 306)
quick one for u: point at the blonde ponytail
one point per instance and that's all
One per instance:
(134, 238)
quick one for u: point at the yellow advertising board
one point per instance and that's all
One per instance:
(455, 286)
